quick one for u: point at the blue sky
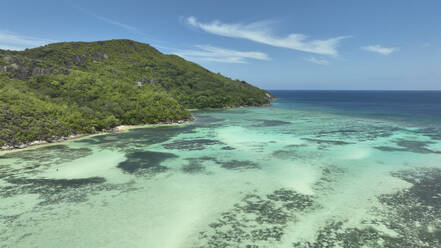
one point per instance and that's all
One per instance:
(273, 44)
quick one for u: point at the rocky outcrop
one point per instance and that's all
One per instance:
(144, 80)
(24, 69)
(79, 59)
(269, 97)
(8, 59)
(100, 55)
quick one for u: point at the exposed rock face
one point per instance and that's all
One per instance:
(25, 72)
(269, 97)
(101, 55)
(36, 71)
(9, 59)
(79, 59)
(24, 69)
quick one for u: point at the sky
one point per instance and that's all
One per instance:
(296, 44)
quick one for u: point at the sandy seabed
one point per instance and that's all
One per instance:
(250, 177)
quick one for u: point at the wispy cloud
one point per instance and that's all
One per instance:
(426, 45)
(320, 61)
(127, 27)
(118, 24)
(13, 41)
(217, 54)
(380, 49)
(262, 33)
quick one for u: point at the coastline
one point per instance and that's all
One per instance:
(117, 129)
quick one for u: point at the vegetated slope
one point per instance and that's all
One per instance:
(82, 87)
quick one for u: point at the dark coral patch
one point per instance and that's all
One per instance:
(52, 190)
(194, 166)
(291, 199)
(239, 164)
(193, 144)
(432, 133)
(145, 162)
(335, 235)
(256, 220)
(228, 148)
(270, 123)
(35, 160)
(285, 154)
(327, 142)
(409, 146)
(340, 131)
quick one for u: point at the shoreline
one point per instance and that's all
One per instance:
(117, 129)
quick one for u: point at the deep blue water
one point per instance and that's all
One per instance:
(419, 107)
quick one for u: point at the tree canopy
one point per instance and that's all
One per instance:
(82, 87)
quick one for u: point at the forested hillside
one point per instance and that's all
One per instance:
(83, 87)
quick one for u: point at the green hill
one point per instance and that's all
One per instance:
(83, 87)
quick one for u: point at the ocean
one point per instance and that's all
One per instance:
(314, 169)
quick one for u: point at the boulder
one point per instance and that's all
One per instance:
(9, 59)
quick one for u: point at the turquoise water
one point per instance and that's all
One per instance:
(303, 172)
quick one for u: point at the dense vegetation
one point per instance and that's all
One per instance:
(82, 87)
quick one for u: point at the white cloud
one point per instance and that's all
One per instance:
(320, 61)
(381, 50)
(261, 32)
(216, 54)
(13, 41)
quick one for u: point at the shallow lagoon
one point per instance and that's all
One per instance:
(295, 174)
